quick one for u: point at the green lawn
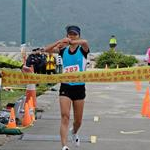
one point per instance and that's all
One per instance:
(12, 96)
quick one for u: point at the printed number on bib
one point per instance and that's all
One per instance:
(73, 68)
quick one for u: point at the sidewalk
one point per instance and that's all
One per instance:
(117, 108)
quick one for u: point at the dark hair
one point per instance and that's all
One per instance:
(35, 49)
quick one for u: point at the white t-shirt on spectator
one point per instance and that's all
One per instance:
(59, 60)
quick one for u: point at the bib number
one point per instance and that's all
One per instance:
(73, 68)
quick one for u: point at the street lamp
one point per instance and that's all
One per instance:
(0, 91)
(23, 31)
(23, 24)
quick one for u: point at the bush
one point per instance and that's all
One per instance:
(113, 58)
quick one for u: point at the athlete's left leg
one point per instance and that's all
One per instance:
(78, 106)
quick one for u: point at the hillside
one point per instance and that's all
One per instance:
(46, 19)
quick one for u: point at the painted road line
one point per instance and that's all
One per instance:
(132, 132)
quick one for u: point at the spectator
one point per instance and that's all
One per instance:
(31, 59)
(148, 56)
(112, 42)
(59, 64)
(50, 64)
(37, 68)
(43, 62)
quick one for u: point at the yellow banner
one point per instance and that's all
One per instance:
(10, 77)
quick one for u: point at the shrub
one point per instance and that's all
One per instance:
(113, 58)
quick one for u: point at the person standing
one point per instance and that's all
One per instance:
(58, 64)
(148, 56)
(37, 66)
(73, 51)
(50, 64)
(43, 62)
(113, 42)
(31, 59)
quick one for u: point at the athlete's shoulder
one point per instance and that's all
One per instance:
(85, 53)
(61, 52)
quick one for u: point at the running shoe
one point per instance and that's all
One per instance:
(74, 138)
(65, 148)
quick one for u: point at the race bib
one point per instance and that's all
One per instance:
(73, 68)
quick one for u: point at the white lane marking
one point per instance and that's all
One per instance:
(132, 132)
(123, 140)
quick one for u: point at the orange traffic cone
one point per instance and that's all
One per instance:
(31, 109)
(31, 92)
(148, 115)
(26, 121)
(12, 119)
(138, 85)
(32, 104)
(146, 103)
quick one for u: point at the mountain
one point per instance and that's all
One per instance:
(46, 21)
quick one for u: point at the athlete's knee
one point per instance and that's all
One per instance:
(65, 118)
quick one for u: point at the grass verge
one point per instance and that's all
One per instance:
(13, 95)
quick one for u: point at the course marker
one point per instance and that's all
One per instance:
(93, 139)
(96, 118)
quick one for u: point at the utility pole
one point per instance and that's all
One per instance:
(23, 24)
(23, 31)
(0, 91)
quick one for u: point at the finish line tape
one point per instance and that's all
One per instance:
(11, 77)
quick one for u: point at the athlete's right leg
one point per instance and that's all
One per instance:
(65, 106)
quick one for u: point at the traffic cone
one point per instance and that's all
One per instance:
(138, 85)
(146, 103)
(31, 99)
(31, 109)
(106, 66)
(31, 92)
(26, 121)
(148, 115)
(12, 119)
(117, 66)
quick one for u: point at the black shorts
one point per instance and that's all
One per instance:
(148, 64)
(76, 92)
(112, 45)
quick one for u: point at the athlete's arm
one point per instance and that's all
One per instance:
(56, 46)
(82, 42)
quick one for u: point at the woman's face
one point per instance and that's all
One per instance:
(73, 36)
